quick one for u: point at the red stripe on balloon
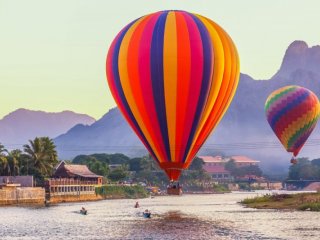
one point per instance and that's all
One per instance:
(183, 81)
(195, 77)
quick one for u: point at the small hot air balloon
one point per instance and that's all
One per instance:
(173, 75)
(292, 113)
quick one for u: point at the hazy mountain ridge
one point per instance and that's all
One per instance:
(19, 126)
(243, 123)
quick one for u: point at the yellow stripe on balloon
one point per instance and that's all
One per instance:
(127, 88)
(234, 75)
(218, 55)
(217, 109)
(170, 78)
(296, 125)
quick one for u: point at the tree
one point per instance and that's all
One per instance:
(236, 171)
(316, 162)
(135, 164)
(4, 163)
(42, 155)
(118, 174)
(305, 169)
(93, 164)
(197, 164)
(251, 170)
(14, 161)
(295, 170)
(231, 166)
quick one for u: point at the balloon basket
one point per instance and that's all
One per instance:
(293, 161)
(174, 191)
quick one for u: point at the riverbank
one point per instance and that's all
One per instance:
(13, 195)
(299, 201)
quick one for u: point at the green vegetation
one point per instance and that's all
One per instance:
(242, 171)
(118, 191)
(38, 158)
(145, 170)
(301, 201)
(305, 169)
(310, 206)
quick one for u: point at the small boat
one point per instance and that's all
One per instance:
(83, 211)
(147, 215)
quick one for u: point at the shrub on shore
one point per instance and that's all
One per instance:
(115, 192)
(301, 201)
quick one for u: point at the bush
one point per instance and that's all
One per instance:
(110, 191)
(264, 198)
(310, 206)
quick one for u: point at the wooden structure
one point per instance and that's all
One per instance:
(71, 179)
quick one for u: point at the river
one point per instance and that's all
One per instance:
(207, 216)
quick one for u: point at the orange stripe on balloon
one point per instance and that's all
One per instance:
(170, 79)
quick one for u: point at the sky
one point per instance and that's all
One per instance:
(52, 53)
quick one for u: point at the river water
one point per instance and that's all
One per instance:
(211, 216)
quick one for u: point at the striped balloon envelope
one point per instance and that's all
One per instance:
(292, 113)
(173, 75)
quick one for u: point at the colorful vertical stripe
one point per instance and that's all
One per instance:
(292, 113)
(173, 74)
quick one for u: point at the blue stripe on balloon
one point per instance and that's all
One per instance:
(288, 107)
(206, 79)
(115, 70)
(156, 58)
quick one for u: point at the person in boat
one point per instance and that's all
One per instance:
(83, 211)
(147, 213)
(137, 205)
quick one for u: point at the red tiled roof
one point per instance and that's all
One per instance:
(243, 159)
(80, 170)
(210, 159)
(219, 159)
(215, 169)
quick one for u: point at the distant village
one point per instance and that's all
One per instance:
(35, 176)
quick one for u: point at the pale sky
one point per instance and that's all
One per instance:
(52, 53)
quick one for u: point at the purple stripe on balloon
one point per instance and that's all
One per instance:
(157, 77)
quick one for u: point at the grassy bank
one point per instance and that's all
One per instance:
(300, 201)
(120, 192)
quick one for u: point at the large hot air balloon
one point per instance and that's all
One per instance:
(292, 113)
(173, 75)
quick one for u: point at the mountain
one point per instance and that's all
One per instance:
(19, 126)
(243, 130)
(110, 134)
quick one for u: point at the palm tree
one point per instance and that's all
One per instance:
(42, 155)
(4, 164)
(14, 160)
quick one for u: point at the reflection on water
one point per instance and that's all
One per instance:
(177, 217)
